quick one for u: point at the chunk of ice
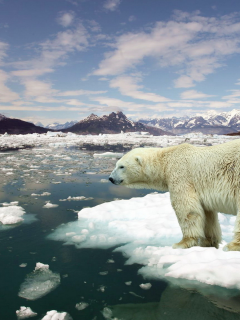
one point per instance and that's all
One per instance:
(81, 306)
(11, 214)
(25, 312)
(148, 226)
(145, 286)
(50, 205)
(54, 315)
(39, 282)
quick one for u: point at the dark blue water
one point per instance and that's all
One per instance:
(41, 170)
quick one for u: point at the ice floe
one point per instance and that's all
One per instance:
(54, 315)
(79, 198)
(50, 205)
(11, 214)
(39, 282)
(108, 155)
(81, 306)
(25, 312)
(144, 230)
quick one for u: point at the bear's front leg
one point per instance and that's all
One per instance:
(191, 219)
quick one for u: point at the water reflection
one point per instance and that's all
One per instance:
(181, 304)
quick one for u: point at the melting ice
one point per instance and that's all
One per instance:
(144, 229)
(39, 282)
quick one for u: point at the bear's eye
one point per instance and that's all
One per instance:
(121, 167)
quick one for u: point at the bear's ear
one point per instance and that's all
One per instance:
(139, 160)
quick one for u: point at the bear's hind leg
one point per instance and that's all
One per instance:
(212, 230)
(235, 244)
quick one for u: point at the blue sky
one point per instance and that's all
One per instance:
(61, 60)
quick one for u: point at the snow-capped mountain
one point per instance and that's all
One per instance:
(60, 126)
(112, 123)
(209, 123)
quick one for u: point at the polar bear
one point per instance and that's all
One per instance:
(202, 181)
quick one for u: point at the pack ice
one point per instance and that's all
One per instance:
(144, 229)
(39, 282)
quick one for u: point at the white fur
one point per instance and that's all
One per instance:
(201, 180)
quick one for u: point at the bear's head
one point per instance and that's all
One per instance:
(131, 170)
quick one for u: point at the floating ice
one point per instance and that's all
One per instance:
(23, 265)
(145, 286)
(39, 282)
(108, 155)
(81, 306)
(50, 205)
(25, 312)
(11, 215)
(104, 180)
(54, 315)
(7, 204)
(144, 229)
(41, 195)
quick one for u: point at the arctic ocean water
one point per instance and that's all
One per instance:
(97, 277)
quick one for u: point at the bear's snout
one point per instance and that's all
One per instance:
(111, 179)
(115, 181)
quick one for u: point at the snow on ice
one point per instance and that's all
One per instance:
(130, 139)
(54, 315)
(10, 214)
(25, 312)
(144, 229)
(39, 283)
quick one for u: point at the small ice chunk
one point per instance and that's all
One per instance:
(145, 286)
(108, 155)
(103, 273)
(104, 180)
(25, 312)
(136, 295)
(107, 313)
(50, 205)
(110, 261)
(23, 265)
(13, 203)
(128, 283)
(39, 282)
(45, 194)
(11, 214)
(54, 315)
(81, 305)
(102, 288)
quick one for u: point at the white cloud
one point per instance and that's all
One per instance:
(194, 44)
(54, 52)
(37, 88)
(132, 18)
(65, 19)
(127, 106)
(7, 95)
(184, 82)
(94, 26)
(31, 72)
(79, 93)
(128, 86)
(111, 5)
(3, 48)
(193, 94)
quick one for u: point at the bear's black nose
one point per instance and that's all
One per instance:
(111, 179)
